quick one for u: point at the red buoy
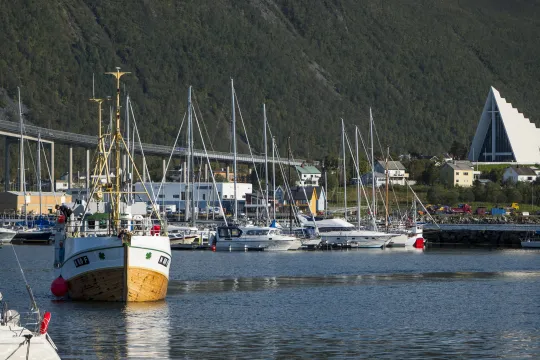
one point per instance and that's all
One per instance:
(45, 323)
(59, 287)
(213, 247)
(419, 243)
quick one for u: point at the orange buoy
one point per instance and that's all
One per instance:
(59, 287)
(45, 323)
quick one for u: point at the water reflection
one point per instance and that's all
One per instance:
(147, 330)
(177, 287)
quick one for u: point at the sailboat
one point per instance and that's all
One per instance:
(117, 254)
(232, 237)
(26, 233)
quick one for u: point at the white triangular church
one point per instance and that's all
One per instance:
(504, 134)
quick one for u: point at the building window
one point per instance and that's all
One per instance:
(161, 196)
(529, 178)
(457, 180)
(465, 173)
(177, 196)
(224, 196)
(204, 196)
(457, 173)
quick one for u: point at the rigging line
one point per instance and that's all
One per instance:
(28, 288)
(380, 147)
(287, 186)
(357, 168)
(251, 152)
(202, 120)
(53, 187)
(170, 157)
(211, 172)
(145, 169)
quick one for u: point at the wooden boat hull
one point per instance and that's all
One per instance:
(109, 285)
(105, 269)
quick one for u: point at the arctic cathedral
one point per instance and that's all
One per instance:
(504, 134)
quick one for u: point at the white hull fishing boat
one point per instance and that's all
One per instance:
(6, 235)
(234, 238)
(119, 257)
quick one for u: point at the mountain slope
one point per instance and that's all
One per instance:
(425, 67)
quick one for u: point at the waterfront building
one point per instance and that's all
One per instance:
(312, 197)
(380, 179)
(17, 201)
(504, 134)
(174, 193)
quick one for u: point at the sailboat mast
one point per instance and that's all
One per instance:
(117, 139)
(274, 175)
(358, 196)
(39, 171)
(373, 208)
(344, 167)
(191, 157)
(21, 150)
(290, 192)
(386, 204)
(265, 166)
(235, 215)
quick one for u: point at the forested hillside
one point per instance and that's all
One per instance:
(424, 66)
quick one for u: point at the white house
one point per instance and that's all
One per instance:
(309, 175)
(397, 174)
(519, 173)
(174, 193)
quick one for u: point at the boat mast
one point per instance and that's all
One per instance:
(358, 196)
(191, 157)
(386, 204)
(290, 191)
(373, 208)
(344, 167)
(265, 166)
(39, 172)
(274, 175)
(22, 180)
(235, 215)
(117, 139)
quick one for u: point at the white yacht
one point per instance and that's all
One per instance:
(408, 236)
(25, 341)
(6, 235)
(339, 231)
(253, 238)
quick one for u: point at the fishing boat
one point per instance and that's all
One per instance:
(115, 255)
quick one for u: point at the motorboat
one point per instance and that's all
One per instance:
(532, 241)
(183, 237)
(253, 238)
(6, 235)
(340, 232)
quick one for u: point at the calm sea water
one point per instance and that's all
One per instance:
(379, 304)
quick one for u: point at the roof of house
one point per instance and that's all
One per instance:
(307, 169)
(392, 165)
(298, 192)
(460, 165)
(525, 170)
(377, 175)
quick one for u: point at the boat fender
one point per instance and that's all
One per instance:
(419, 243)
(59, 287)
(45, 323)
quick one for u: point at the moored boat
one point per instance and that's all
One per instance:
(235, 238)
(6, 235)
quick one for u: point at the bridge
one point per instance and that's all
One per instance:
(49, 136)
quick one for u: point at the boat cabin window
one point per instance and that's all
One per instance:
(257, 232)
(229, 232)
